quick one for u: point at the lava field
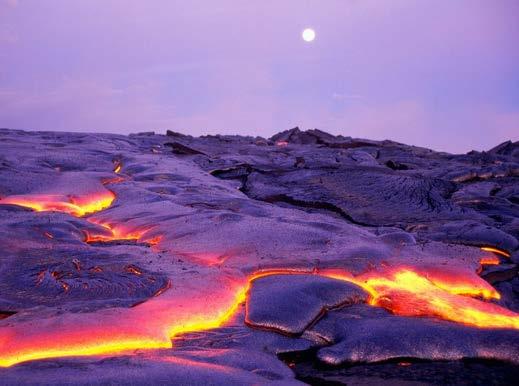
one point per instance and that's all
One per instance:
(302, 258)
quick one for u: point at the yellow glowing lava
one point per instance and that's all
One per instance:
(119, 232)
(406, 293)
(75, 206)
(495, 250)
(402, 291)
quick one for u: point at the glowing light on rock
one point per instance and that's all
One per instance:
(496, 250)
(118, 167)
(489, 260)
(76, 206)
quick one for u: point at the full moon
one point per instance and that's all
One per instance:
(308, 35)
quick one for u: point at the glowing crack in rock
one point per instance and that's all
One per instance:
(118, 167)
(496, 250)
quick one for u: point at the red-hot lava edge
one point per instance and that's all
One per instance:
(402, 290)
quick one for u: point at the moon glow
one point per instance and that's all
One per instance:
(308, 34)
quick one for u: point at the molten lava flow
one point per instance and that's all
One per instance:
(119, 232)
(75, 206)
(489, 260)
(118, 167)
(458, 281)
(407, 293)
(79, 206)
(153, 324)
(495, 250)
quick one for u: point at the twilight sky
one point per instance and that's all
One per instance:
(437, 73)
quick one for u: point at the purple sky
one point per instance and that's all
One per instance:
(437, 73)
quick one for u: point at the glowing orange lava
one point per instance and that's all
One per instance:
(495, 250)
(458, 281)
(151, 325)
(74, 205)
(405, 292)
(119, 232)
(489, 260)
(402, 291)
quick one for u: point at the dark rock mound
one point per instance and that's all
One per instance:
(365, 334)
(308, 137)
(367, 195)
(290, 303)
(507, 148)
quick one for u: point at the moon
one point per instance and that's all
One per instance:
(308, 34)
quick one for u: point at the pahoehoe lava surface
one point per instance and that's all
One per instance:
(306, 257)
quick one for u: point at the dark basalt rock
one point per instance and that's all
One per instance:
(499, 273)
(507, 148)
(237, 172)
(371, 196)
(308, 137)
(199, 367)
(181, 149)
(396, 165)
(70, 278)
(352, 144)
(485, 173)
(6, 314)
(171, 133)
(509, 291)
(298, 301)
(364, 334)
(398, 238)
(409, 372)
(471, 233)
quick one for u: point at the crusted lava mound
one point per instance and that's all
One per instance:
(149, 259)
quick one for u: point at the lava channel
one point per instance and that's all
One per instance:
(153, 324)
